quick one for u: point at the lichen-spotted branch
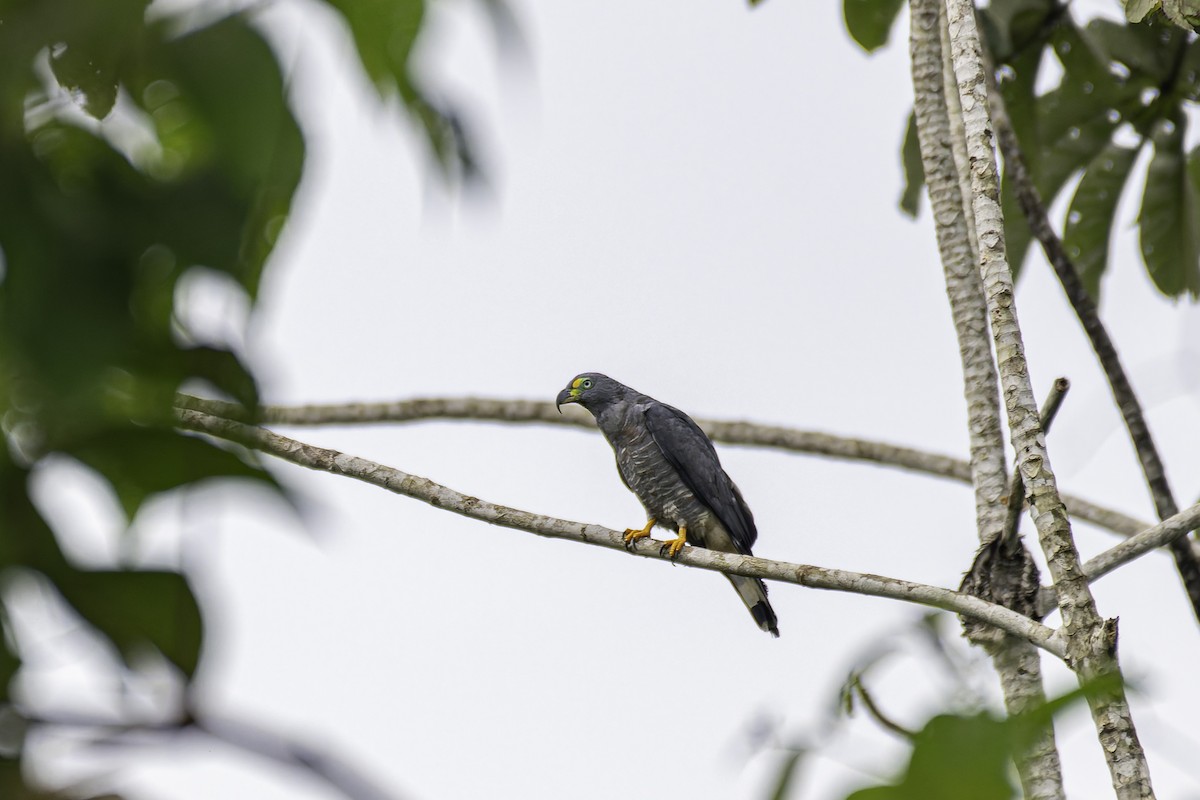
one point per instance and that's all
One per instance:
(1091, 641)
(748, 434)
(425, 490)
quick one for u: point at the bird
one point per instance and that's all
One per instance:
(665, 459)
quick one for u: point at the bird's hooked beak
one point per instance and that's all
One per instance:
(568, 395)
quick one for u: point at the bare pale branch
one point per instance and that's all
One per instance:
(443, 497)
(1165, 532)
(749, 434)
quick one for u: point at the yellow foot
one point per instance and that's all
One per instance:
(633, 534)
(675, 545)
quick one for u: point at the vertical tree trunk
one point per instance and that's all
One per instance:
(1091, 642)
(943, 154)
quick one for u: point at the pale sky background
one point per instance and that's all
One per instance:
(700, 201)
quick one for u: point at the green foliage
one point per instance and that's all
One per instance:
(870, 21)
(385, 32)
(914, 169)
(1144, 76)
(1170, 216)
(1184, 13)
(954, 757)
(136, 609)
(142, 462)
(94, 239)
(1091, 217)
(97, 230)
(971, 755)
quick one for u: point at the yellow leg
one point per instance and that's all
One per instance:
(675, 545)
(633, 534)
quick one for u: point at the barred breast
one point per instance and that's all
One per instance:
(657, 485)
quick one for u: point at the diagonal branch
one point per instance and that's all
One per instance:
(736, 433)
(442, 497)
(1169, 530)
(1186, 561)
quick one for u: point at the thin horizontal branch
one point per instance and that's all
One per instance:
(439, 496)
(1169, 530)
(736, 433)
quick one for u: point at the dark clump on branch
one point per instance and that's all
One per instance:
(1004, 573)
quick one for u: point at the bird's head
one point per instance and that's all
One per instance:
(591, 390)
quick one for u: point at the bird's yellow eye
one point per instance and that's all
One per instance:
(587, 383)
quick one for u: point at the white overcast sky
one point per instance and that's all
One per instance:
(700, 201)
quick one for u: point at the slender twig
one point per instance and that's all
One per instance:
(1016, 492)
(736, 433)
(289, 751)
(1186, 561)
(442, 497)
(1091, 642)
(856, 684)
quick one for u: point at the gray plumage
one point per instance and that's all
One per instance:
(671, 465)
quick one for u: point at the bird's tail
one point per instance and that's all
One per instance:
(754, 594)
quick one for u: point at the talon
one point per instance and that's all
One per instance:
(633, 534)
(675, 545)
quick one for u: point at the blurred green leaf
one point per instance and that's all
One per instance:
(914, 169)
(954, 757)
(233, 152)
(959, 756)
(385, 32)
(1138, 10)
(1014, 27)
(25, 538)
(1183, 13)
(12, 783)
(9, 664)
(226, 372)
(870, 21)
(1146, 51)
(1090, 219)
(1168, 220)
(88, 59)
(140, 462)
(1075, 122)
(95, 241)
(139, 609)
